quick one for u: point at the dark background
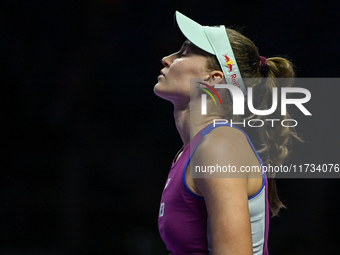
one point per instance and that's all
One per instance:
(86, 145)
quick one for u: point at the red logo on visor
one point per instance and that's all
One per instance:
(228, 63)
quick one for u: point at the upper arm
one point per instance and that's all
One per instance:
(226, 198)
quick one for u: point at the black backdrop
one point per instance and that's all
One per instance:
(86, 146)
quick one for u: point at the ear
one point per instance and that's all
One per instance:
(217, 76)
(214, 77)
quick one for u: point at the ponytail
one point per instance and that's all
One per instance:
(276, 138)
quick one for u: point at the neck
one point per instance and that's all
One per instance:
(190, 121)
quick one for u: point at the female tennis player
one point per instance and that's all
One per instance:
(209, 214)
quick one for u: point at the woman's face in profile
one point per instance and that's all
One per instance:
(174, 81)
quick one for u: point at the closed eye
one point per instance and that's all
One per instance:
(184, 50)
(182, 53)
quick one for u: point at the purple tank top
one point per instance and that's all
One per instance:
(182, 220)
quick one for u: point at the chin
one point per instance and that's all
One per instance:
(159, 92)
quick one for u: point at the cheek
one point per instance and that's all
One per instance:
(182, 70)
(176, 71)
(193, 70)
(196, 68)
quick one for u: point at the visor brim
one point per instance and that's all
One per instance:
(193, 31)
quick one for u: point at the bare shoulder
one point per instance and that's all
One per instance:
(224, 147)
(229, 134)
(226, 142)
(228, 148)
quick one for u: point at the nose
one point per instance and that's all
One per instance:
(166, 61)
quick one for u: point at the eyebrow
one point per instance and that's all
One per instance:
(192, 47)
(187, 44)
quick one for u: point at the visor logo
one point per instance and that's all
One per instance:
(228, 63)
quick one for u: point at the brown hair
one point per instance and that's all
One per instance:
(275, 139)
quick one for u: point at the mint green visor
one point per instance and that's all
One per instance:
(215, 41)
